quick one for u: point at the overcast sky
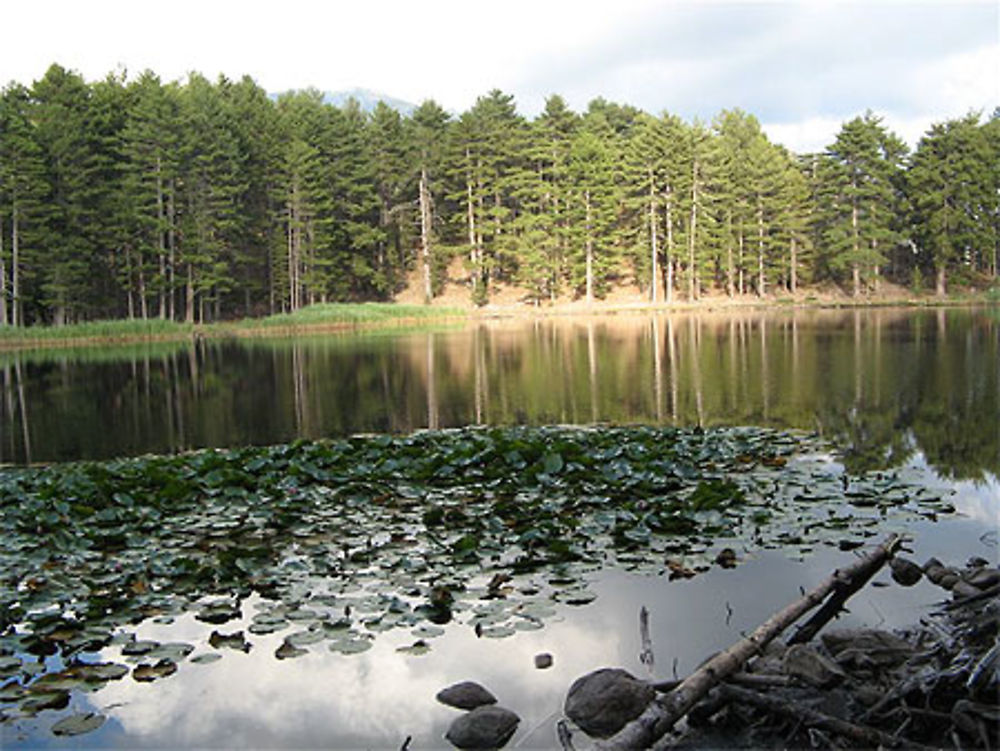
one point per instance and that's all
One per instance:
(801, 67)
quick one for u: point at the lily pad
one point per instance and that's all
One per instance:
(205, 658)
(161, 669)
(350, 646)
(78, 724)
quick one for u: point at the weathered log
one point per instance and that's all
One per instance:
(664, 711)
(869, 737)
(844, 586)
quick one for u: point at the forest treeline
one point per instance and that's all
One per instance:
(200, 200)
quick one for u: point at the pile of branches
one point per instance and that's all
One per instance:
(933, 685)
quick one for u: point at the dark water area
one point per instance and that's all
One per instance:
(884, 388)
(880, 384)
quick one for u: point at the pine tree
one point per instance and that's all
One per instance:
(428, 134)
(22, 215)
(952, 188)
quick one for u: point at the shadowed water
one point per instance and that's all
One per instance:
(881, 384)
(888, 388)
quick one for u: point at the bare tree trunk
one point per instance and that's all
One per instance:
(3, 280)
(792, 272)
(692, 271)
(16, 310)
(761, 282)
(189, 296)
(654, 270)
(471, 218)
(742, 280)
(669, 195)
(730, 282)
(425, 235)
(172, 250)
(589, 249)
(160, 245)
(855, 268)
(940, 283)
(143, 310)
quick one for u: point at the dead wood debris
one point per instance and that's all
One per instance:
(935, 684)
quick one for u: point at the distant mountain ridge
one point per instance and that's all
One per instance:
(366, 99)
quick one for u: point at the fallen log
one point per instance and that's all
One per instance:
(862, 734)
(665, 711)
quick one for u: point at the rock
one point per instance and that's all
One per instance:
(726, 558)
(807, 664)
(543, 661)
(602, 702)
(963, 589)
(984, 578)
(483, 727)
(866, 648)
(905, 572)
(465, 695)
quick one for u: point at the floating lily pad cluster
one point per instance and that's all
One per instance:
(344, 539)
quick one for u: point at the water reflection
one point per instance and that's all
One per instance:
(378, 698)
(880, 383)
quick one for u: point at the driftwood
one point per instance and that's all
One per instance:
(810, 717)
(665, 711)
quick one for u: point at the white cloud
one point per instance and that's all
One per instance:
(796, 65)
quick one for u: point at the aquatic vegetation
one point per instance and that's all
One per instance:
(342, 540)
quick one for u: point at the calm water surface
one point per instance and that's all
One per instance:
(886, 387)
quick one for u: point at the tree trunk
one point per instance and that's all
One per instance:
(425, 235)
(654, 270)
(692, 271)
(143, 311)
(471, 219)
(3, 280)
(189, 296)
(940, 286)
(730, 281)
(160, 245)
(590, 250)
(855, 269)
(669, 260)
(16, 309)
(792, 273)
(742, 285)
(761, 281)
(172, 254)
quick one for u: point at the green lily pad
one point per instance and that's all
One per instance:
(350, 646)
(78, 724)
(161, 669)
(205, 658)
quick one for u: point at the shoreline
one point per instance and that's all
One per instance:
(249, 328)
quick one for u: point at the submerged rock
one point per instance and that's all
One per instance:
(866, 647)
(483, 728)
(905, 572)
(465, 695)
(602, 702)
(808, 665)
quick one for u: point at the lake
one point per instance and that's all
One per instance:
(886, 390)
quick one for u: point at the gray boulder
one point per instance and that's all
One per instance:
(808, 665)
(602, 702)
(483, 728)
(465, 695)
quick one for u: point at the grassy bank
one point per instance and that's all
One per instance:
(329, 317)
(323, 317)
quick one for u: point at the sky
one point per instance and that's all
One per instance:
(802, 67)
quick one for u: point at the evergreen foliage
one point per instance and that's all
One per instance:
(197, 201)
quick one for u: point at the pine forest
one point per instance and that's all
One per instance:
(202, 201)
